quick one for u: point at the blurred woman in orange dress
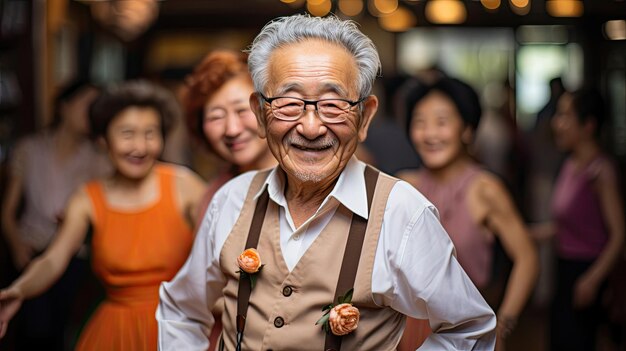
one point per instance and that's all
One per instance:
(142, 218)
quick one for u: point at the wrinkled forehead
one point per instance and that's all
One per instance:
(312, 67)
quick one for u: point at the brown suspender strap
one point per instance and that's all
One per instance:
(352, 253)
(243, 294)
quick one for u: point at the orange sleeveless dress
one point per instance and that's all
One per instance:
(133, 251)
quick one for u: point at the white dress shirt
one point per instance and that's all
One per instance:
(415, 271)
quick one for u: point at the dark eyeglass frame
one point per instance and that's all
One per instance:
(314, 103)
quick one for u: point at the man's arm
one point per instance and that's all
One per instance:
(431, 284)
(184, 312)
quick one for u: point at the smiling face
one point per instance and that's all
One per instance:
(308, 149)
(438, 131)
(231, 127)
(134, 141)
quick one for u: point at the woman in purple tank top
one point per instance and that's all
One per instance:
(474, 205)
(588, 222)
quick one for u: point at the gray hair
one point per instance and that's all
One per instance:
(293, 29)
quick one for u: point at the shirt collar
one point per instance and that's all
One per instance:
(349, 189)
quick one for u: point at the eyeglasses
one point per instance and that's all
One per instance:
(291, 109)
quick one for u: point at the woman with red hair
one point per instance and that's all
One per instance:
(216, 102)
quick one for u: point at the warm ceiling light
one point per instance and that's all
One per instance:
(490, 4)
(564, 8)
(386, 7)
(350, 7)
(398, 21)
(520, 3)
(319, 10)
(315, 2)
(615, 30)
(288, 1)
(520, 7)
(445, 11)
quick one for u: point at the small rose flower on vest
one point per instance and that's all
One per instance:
(343, 319)
(250, 265)
(249, 261)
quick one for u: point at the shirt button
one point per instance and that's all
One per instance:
(279, 322)
(287, 291)
(296, 237)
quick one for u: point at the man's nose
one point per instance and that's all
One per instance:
(310, 124)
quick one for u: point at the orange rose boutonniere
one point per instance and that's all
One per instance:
(342, 318)
(250, 265)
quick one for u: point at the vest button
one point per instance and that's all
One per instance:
(287, 291)
(279, 322)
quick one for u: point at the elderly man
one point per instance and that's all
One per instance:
(343, 252)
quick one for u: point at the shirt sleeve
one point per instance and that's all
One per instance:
(184, 313)
(431, 284)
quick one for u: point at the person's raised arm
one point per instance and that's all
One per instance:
(503, 219)
(44, 270)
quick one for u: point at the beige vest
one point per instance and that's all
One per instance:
(284, 306)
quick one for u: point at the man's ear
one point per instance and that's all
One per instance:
(255, 105)
(370, 106)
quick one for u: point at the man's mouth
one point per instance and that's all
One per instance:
(312, 147)
(317, 145)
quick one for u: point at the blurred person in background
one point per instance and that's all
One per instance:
(44, 170)
(587, 223)
(218, 112)
(216, 102)
(549, 109)
(545, 160)
(473, 204)
(142, 218)
(384, 155)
